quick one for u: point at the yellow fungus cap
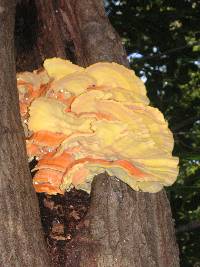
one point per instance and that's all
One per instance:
(75, 83)
(84, 122)
(113, 75)
(49, 114)
(58, 68)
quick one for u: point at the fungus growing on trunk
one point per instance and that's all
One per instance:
(81, 122)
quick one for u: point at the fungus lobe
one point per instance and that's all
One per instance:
(80, 122)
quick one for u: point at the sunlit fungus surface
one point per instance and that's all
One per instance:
(80, 122)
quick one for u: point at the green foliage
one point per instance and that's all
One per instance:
(165, 39)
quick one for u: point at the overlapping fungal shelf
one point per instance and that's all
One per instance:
(80, 122)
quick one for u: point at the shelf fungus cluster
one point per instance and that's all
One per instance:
(80, 122)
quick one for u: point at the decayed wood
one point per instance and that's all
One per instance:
(123, 228)
(21, 238)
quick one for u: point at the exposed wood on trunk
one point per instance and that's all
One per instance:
(21, 237)
(124, 228)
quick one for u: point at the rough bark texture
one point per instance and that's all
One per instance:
(123, 228)
(77, 30)
(93, 36)
(134, 229)
(21, 238)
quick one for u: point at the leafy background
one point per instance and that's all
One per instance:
(162, 39)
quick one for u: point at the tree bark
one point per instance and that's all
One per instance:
(133, 229)
(123, 228)
(65, 29)
(21, 238)
(130, 228)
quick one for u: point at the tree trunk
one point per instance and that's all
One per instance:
(21, 238)
(133, 229)
(123, 228)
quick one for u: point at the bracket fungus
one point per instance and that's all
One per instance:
(80, 122)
